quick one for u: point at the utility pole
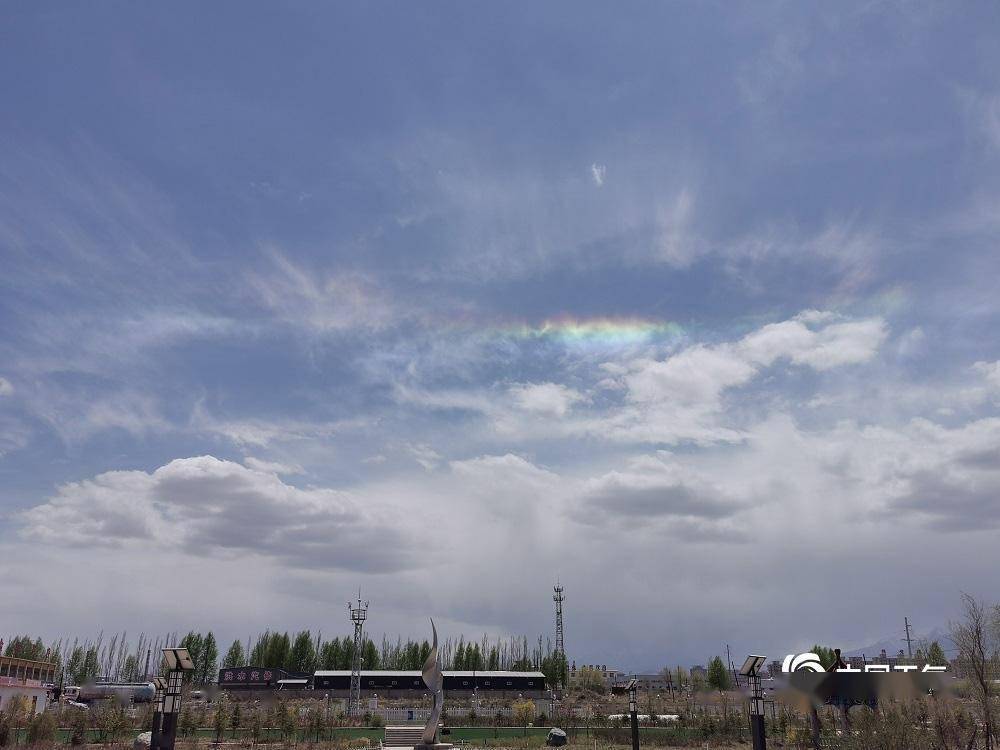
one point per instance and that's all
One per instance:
(558, 598)
(358, 616)
(909, 641)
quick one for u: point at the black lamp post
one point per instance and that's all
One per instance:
(177, 661)
(161, 687)
(751, 670)
(633, 709)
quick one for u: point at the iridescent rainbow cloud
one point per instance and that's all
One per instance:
(598, 331)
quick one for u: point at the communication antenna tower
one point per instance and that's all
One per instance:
(358, 616)
(558, 598)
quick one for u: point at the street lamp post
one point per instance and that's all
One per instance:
(177, 661)
(154, 738)
(633, 709)
(751, 670)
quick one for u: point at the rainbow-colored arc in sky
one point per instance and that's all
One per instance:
(603, 331)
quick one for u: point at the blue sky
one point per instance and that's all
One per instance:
(692, 305)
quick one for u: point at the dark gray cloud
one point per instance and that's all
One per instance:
(628, 499)
(949, 503)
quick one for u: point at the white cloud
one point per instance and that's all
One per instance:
(77, 414)
(262, 433)
(913, 343)
(990, 372)
(598, 173)
(545, 398)
(696, 376)
(682, 397)
(424, 455)
(320, 301)
(14, 434)
(272, 467)
(6, 388)
(678, 244)
(645, 399)
(208, 507)
(823, 348)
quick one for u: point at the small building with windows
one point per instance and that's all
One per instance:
(252, 678)
(26, 677)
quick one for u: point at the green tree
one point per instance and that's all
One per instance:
(302, 658)
(187, 721)
(258, 655)
(718, 675)
(110, 721)
(220, 719)
(330, 654)
(589, 680)
(78, 724)
(234, 656)
(315, 723)
(256, 725)
(193, 643)
(130, 670)
(208, 659)
(826, 655)
(236, 719)
(91, 666)
(553, 667)
(369, 655)
(285, 719)
(474, 658)
(74, 665)
(411, 656)
(346, 653)
(12, 718)
(42, 728)
(935, 655)
(278, 650)
(523, 712)
(23, 647)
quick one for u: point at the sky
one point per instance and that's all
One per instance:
(689, 306)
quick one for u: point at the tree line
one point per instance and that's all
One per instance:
(120, 659)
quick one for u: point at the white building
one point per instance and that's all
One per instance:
(32, 679)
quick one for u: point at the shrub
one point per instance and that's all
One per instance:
(42, 728)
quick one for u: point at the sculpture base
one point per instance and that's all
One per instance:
(435, 746)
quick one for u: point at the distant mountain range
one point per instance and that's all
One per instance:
(893, 644)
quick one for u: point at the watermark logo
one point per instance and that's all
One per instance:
(810, 663)
(802, 663)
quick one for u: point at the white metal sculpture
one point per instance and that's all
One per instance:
(434, 680)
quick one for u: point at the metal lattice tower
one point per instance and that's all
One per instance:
(558, 598)
(358, 616)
